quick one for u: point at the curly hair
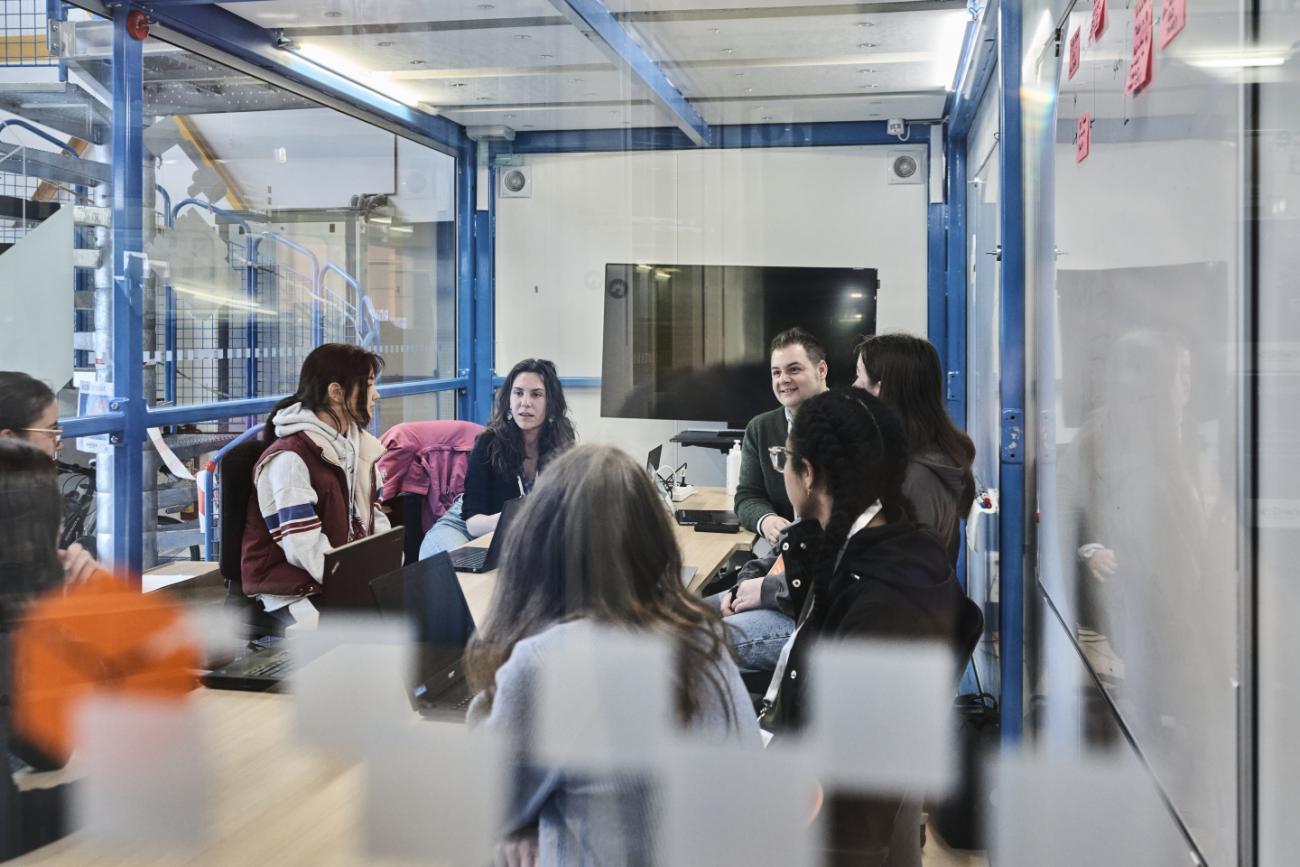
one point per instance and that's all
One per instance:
(856, 446)
(506, 448)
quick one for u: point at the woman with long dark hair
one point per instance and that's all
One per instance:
(29, 412)
(858, 569)
(904, 371)
(594, 546)
(530, 426)
(316, 486)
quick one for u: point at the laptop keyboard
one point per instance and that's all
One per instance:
(272, 667)
(469, 557)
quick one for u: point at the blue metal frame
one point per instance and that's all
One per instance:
(482, 368)
(209, 25)
(466, 196)
(39, 133)
(627, 53)
(937, 278)
(973, 75)
(1011, 516)
(953, 349)
(127, 520)
(844, 133)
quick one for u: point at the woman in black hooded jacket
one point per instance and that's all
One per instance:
(872, 574)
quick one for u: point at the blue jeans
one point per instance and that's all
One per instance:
(448, 532)
(757, 634)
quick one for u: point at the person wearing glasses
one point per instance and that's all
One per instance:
(29, 412)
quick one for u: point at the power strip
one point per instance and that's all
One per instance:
(681, 492)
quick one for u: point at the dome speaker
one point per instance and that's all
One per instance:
(907, 167)
(515, 182)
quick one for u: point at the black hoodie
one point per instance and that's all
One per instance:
(892, 582)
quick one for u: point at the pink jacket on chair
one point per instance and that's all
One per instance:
(428, 458)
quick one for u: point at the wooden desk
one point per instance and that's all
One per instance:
(707, 552)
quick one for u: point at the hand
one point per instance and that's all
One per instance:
(518, 851)
(749, 594)
(773, 527)
(78, 565)
(727, 599)
(1102, 564)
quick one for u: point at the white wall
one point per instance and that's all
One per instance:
(789, 206)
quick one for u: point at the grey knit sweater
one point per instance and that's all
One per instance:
(583, 821)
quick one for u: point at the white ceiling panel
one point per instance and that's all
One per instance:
(530, 119)
(817, 61)
(316, 13)
(414, 52)
(819, 109)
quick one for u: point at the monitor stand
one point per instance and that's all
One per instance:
(722, 440)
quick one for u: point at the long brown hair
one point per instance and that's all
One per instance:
(911, 383)
(350, 366)
(506, 448)
(594, 540)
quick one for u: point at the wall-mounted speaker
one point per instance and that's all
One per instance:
(907, 166)
(515, 182)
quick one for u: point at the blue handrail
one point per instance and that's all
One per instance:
(22, 124)
(168, 218)
(208, 206)
(364, 310)
(317, 313)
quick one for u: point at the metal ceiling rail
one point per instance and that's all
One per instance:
(215, 33)
(595, 21)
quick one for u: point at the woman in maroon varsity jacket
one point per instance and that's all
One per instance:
(316, 485)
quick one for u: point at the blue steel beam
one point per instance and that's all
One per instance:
(178, 415)
(973, 75)
(466, 197)
(967, 46)
(835, 134)
(127, 518)
(205, 28)
(1011, 346)
(484, 307)
(937, 279)
(591, 17)
(953, 349)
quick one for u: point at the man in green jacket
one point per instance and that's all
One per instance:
(798, 373)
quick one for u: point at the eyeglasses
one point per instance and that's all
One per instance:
(779, 455)
(56, 432)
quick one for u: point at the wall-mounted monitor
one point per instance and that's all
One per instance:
(690, 342)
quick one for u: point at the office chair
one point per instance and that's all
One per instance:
(236, 489)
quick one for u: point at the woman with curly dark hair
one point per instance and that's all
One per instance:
(857, 568)
(530, 426)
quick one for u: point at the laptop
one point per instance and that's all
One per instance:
(429, 593)
(485, 559)
(348, 572)
(711, 517)
(349, 568)
(652, 460)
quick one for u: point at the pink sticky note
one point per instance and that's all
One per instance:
(1083, 138)
(1076, 51)
(1139, 68)
(1173, 17)
(1098, 19)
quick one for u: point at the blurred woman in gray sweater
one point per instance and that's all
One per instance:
(593, 547)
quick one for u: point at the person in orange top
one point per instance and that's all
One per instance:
(68, 629)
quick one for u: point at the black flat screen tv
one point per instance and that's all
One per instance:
(690, 342)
